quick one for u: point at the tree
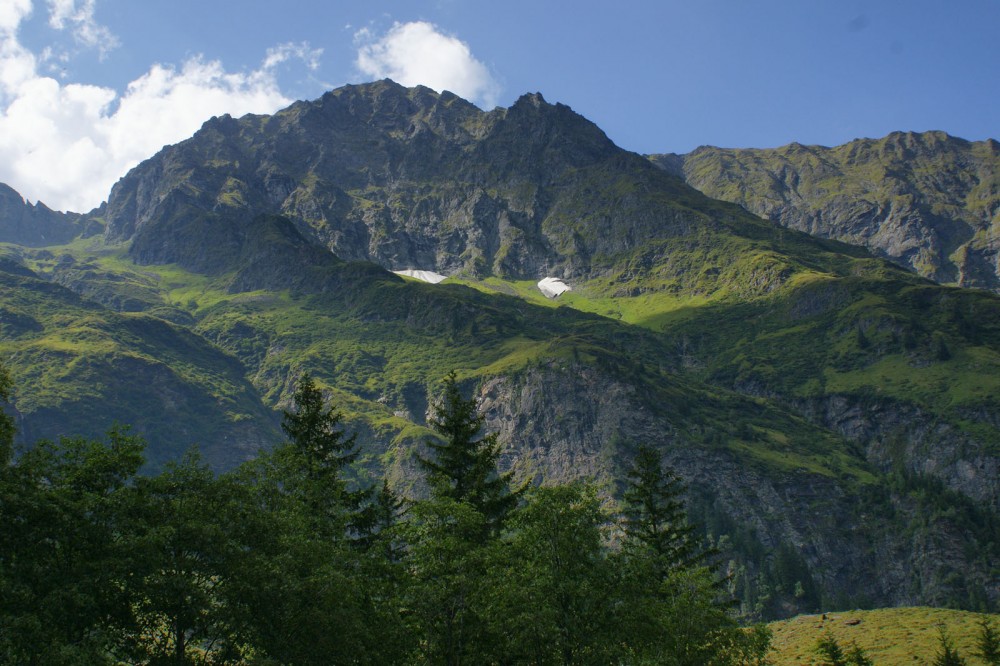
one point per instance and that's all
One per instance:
(315, 459)
(830, 651)
(654, 518)
(669, 608)
(447, 562)
(551, 598)
(62, 551)
(182, 560)
(7, 429)
(451, 533)
(947, 655)
(312, 429)
(832, 654)
(858, 657)
(313, 586)
(464, 468)
(988, 642)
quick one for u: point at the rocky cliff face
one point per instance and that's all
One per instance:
(930, 202)
(405, 178)
(36, 225)
(563, 421)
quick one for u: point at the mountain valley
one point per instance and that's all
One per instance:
(833, 413)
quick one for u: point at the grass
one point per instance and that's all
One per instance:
(890, 637)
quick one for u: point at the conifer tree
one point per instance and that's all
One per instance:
(312, 428)
(948, 654)
(451, 533)
(654, 516)
(464, 465)
(988, 642)
(322, 452)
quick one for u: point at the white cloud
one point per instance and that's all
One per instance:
(79, 17)
(12, 12)
(418, 53)
(66, 145)
(285, 52)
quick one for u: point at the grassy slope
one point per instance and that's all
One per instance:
(381, 344)
(889, 636)
(803, 325)
(68, 354)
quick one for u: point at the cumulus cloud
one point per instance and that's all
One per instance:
(67, 144)
(418, 53)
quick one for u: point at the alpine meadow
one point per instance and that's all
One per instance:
(384, 378)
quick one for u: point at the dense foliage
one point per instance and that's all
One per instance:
(285, 561)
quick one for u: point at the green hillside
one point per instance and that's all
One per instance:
(890, 637)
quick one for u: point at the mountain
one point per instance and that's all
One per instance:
(36, 225)
(833, 414)
(927, 201)
(80, 368)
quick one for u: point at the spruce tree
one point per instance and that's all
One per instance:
(948, 654)
(319, 451)
(654, 517)
(988, 642)
(830, 651)
(464, 465)
(312, 428)
(451, 533)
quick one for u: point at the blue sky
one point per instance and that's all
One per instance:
(90, 87)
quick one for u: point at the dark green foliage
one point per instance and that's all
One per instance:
(832, 654)
(462, 468)
(988, 642)
(669, 602)
(447, 563)
(7, 428)
(549, 597)
(947, 655)
(322, 452)
(654, 518)
(312, 431)
(182, 558)
(830, 651)
(64, 550)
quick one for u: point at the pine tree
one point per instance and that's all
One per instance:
(464, 468)
(451, 533)
(858, 657)
(948, 655)
(988, 642)
(321, 452)
(313, 430)
(654, 517)
(830, 651)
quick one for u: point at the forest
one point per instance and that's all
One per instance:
(288, 559)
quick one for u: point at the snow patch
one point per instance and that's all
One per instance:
(425, 276)
(552, 287)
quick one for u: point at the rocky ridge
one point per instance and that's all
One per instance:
(928, 201)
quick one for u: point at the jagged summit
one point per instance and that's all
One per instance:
(379, 172)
